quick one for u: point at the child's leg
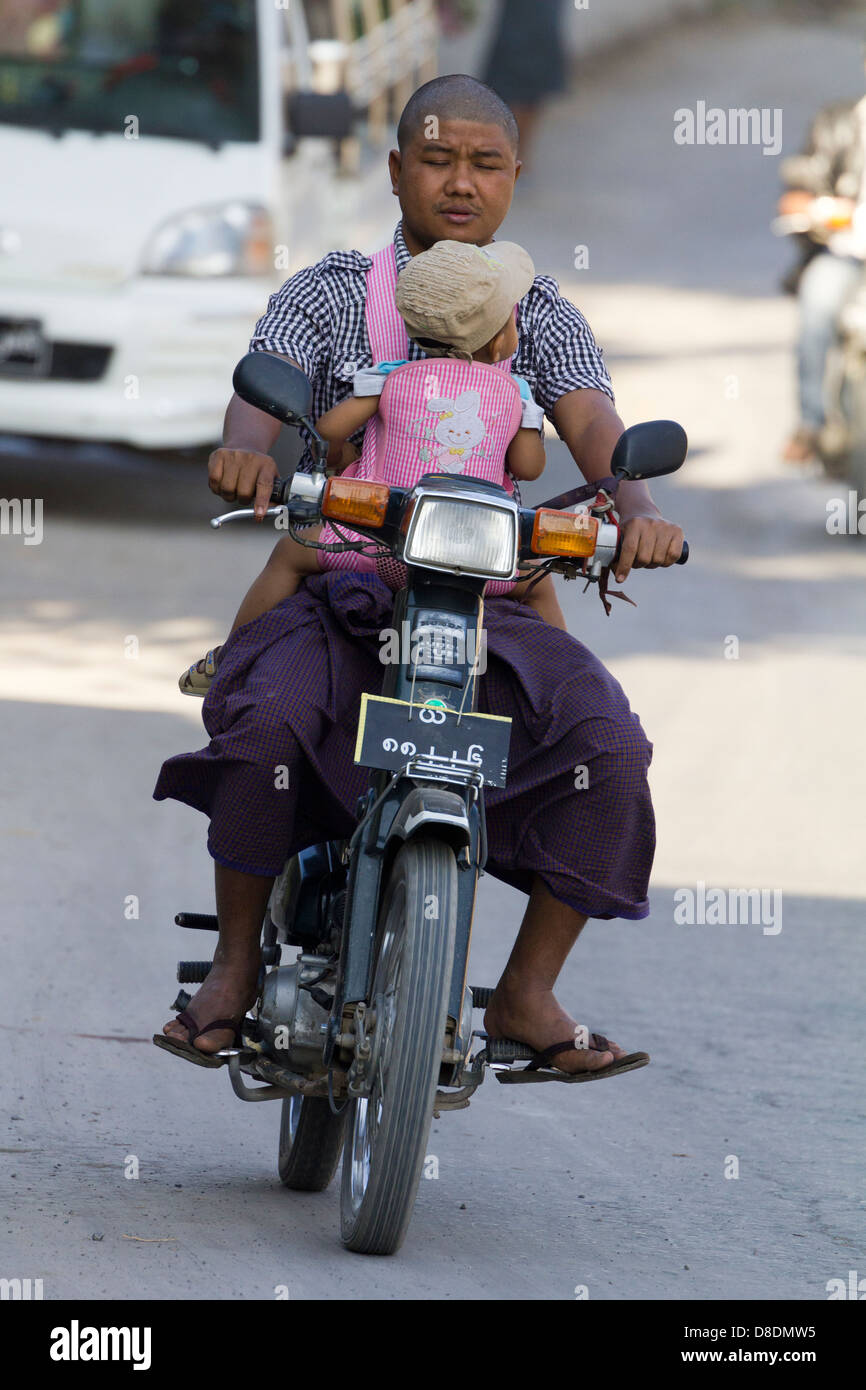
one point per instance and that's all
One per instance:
(288, 564)
(541, 597)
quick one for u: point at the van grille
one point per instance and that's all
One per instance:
(59, 362)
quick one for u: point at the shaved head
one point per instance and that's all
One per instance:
(455, 97)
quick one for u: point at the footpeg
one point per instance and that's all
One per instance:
(202, 921)
(505, 1050)
(192, 972)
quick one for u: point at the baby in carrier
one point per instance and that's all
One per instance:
(460, 410)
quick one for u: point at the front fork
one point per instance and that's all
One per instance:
(436, 628)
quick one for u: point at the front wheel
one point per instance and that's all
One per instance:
(387, 1130)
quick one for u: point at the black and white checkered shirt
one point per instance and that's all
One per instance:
(317, 319)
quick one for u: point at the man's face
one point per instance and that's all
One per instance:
(455, 184)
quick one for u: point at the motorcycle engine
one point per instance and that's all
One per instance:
(292, 1023)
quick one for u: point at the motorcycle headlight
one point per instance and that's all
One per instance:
(231, 239)
(467, 536)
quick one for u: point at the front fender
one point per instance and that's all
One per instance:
(429, 810)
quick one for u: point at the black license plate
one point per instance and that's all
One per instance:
(391, 732)
(24, 349)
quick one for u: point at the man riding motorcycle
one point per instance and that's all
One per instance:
(286, 693)
(826, 186)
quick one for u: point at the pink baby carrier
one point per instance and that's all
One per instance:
(440, 415)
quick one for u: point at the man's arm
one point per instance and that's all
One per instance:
(242, 469)
(574, 388)
(588, 422)
(296, 318)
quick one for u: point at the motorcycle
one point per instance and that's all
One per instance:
(368, 1032)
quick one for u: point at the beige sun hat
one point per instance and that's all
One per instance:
(462, 295)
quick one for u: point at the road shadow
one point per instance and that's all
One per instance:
(110, 484)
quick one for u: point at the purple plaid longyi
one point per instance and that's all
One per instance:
(287, 695)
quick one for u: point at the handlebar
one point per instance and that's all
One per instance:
(280, 502)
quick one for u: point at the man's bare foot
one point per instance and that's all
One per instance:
(802, 447)
(228, 991)
(533, 1016)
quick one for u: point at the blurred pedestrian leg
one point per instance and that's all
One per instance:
(526, 62)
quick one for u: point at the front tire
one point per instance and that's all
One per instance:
(387, 1131)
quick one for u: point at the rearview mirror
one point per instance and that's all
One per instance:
(650, 450)
(275, 386)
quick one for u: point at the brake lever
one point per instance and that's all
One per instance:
(303, 492)
(218, 521)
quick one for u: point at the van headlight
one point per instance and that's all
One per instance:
(230, 239)
(469, 537)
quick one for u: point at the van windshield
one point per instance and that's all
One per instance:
(186, 69)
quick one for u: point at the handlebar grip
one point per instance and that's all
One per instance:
(681, 561)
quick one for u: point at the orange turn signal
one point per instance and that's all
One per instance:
(353, 499)
(564, 533)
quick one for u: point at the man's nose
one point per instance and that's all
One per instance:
(461, 179)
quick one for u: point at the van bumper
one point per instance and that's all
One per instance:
(148, 364)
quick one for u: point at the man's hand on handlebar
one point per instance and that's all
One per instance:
(648, 542)
(241, 475)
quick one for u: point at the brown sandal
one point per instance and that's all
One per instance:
(195, 1054)
(538, 1071)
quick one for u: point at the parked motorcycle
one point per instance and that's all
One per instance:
(368, 1031)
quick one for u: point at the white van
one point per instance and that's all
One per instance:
(142, 209)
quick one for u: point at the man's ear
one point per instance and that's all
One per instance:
(518, 165)
(395, 166)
